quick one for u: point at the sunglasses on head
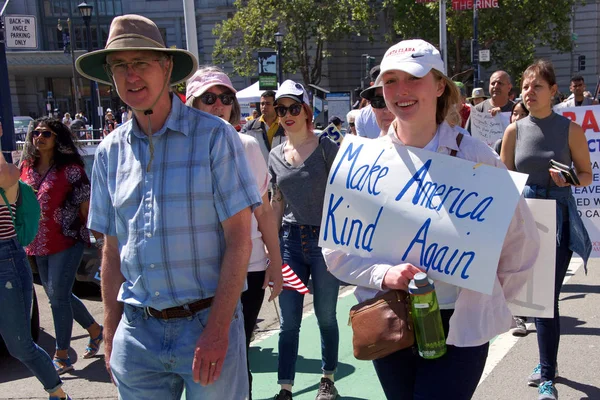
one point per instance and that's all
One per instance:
(45, 134)
(378, 102)
(209, 98)
(294, 109)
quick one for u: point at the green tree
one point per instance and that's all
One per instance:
(511, 32)
(308, 26)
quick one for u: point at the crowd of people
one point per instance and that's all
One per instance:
(82, 128)
(195, 221)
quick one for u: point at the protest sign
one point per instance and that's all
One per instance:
(535, 300)
(588, 198)
(402, 204)
(487, 128)
(333, 133)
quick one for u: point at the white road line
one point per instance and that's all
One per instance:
(503, 343)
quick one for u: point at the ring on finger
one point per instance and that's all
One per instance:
(212, 364)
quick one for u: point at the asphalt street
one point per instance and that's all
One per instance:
(509, 363)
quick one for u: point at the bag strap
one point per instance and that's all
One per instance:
(8, 205)
(459, 139)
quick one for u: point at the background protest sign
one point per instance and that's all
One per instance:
(535, 300)
(487, 128)
(333, 133)
(402, 204)
(588, 198)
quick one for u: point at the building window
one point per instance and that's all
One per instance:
(104, 11)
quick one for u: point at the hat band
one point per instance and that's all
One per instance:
(133, 41)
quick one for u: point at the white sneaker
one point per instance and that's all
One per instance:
(521, 328)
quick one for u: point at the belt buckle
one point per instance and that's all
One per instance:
(147, 312)
(186, 307)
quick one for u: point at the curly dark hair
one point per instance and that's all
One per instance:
(66, 151)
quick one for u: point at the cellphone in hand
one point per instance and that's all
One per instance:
(567, 172)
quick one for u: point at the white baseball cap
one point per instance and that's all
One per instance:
(293, 91)
(415, 56)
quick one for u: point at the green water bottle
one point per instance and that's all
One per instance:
(426, 317)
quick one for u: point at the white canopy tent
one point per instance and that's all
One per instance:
(251, 94)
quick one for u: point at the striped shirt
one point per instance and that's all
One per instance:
(7, 228)
(168, 220)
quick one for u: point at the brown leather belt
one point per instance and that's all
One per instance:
(184, 311)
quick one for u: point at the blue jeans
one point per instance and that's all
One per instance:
(16, 293)
(301, 251)
(404, 375)
(548, 329)
(152, 358)
(57, 273)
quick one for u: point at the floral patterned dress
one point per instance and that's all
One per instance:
(60, 194)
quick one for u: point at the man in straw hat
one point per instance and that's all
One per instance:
(173, 195)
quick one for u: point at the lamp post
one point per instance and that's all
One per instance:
(279, 40)
(85, 10)
(67, 40)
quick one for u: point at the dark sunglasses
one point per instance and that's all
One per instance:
(45, 134)
(294, 109)
(209, 98)
(378, 102)
(351, 123)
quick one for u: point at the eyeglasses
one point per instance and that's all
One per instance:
(138, 66)
(45, 134)
(378, 102)
(294, 109)
(209, 98)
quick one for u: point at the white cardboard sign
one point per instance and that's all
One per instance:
(487, 128)
(588, 198)
(402, 204)
(334, 134)
(536, 299)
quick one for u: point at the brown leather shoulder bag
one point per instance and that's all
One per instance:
(382, 325)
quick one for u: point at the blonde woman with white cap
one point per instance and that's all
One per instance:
(210, 90)
(299, 170)
(418, 93)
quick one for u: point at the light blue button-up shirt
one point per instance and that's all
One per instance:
(167, 218)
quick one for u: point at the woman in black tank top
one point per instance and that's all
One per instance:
(528, 146)
(16, 293)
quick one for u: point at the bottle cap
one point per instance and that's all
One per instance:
(421, 279)
(420, 284)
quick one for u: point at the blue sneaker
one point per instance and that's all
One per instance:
(536, 376)
(547, 391)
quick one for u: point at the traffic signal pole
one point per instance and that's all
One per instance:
(6, 114)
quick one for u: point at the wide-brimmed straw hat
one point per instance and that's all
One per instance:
(134, 33)
(478, 93)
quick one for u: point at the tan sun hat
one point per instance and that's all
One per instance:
(478, 93)
(134, 33)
